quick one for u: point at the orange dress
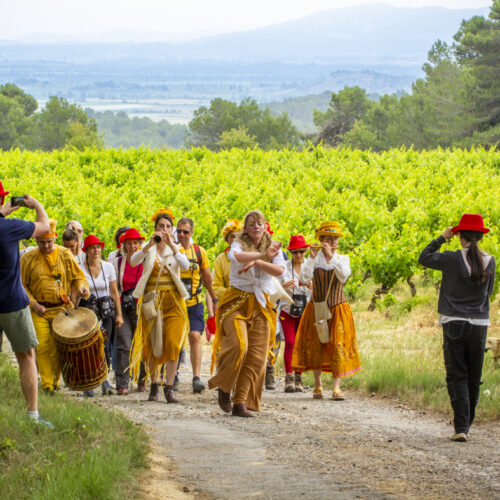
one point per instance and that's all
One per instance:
(340, 356)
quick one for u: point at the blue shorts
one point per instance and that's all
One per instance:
(196, 315)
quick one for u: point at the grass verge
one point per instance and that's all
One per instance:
(91, 453)
(401, 353)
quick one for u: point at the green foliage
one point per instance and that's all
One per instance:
(58, 125)
(16, 108)
(208, 124)
(478, 48)
(91, 453)
(390, 204)
(347, 106)
(121, 131)
(62, 124)
(237, 138)
(457, 103)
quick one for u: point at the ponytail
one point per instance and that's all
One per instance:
(478, 273)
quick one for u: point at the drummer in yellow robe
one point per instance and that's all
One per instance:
(50, 274)
(222, 265)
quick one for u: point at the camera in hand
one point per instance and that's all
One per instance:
(156, 238)
(18, 201)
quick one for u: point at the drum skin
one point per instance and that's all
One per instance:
(80, 345)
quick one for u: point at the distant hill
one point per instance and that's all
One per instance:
(378, 47)
(361, 34)
(351, 37)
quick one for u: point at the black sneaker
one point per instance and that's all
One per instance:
(198, 385)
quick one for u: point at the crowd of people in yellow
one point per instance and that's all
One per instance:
(149, 301)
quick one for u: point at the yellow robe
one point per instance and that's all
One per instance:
(175, 325)
(222, 269)
(39, 274)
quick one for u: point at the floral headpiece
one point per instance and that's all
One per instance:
(232, 225)
(163, 211)
(329, 228)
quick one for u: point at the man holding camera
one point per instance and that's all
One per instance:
(199, 270)
(50, 275)
(15, 318)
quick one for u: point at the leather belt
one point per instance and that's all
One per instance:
(49, 304)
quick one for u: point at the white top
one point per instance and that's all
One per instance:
(339, 263)
(80, 257)
(101, 285)
(473, 321)
(298, 290)
(255, 280)
(114, 255)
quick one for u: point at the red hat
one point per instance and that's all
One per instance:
(91, 240)
(297, 242)
(3, 194)
(268, 228)
(131, 234)
(471, 222)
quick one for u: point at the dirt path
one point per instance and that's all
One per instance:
(298, 447)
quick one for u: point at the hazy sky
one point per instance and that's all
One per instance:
(125, 19)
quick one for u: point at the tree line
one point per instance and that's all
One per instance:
(455, 104)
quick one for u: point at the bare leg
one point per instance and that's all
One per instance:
(317, 378)
(170, 371)
(336, 384)
(29, 378)
(195, 352)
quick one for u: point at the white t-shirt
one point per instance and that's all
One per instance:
(106, 276)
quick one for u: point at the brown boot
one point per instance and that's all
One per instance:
(153, 392)
(224, 400)
(270, 380)
(298, 383)
(289, 383)
(240, 410)
(168, 390)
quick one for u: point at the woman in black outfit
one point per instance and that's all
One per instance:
(466, 286)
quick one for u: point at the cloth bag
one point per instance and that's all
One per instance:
(157, 335)
(153, 312)
(322, 314)
(149, 305)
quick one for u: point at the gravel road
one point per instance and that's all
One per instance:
(297, 447)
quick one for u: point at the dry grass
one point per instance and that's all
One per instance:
(401, 352)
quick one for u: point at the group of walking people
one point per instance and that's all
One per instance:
(148, 296)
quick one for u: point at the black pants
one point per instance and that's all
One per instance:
(463, 349)
(108, 324)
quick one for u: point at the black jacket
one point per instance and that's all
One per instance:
(458, 296)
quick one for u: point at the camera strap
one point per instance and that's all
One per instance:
(92, 278)
(123, 263)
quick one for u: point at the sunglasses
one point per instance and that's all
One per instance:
(293, 252)
(183, 231)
